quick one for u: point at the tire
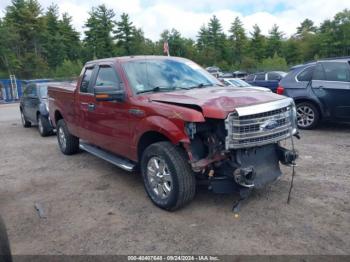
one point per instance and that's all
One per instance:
(68, 143)
(25, 123)
(5, 251)
(308, 115)
(44, 126)
(176, 181)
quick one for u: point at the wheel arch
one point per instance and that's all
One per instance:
(148, 138)
(58, 116)
(311, 101)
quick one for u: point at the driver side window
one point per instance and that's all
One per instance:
(107, 77)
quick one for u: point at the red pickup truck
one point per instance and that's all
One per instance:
(176, 123)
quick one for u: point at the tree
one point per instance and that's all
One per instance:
(257, 43)
(23, 19)
(98, 36)
(54, 46)
(70, 38)
(9, 62)
(273, 63)
(238, 40)
(274, 41)
(342, 32)
(307, 26)
(124, 34)
(216, 38)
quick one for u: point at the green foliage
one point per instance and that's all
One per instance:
(98, 36)
(273, 63)
(68, 69)
(238, 40)
(257, 44)
(43, 43)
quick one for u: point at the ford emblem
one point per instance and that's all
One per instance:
(268, 125)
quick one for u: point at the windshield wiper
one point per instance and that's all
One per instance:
(201, 85)
(157, 89)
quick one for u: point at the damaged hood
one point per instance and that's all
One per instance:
(215, 102)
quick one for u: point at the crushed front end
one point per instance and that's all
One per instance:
(244, 150)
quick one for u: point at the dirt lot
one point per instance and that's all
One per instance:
(93, 207)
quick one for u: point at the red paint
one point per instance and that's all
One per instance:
(113, 127)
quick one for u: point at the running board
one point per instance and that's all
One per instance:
(109, 157)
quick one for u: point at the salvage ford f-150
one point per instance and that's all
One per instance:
(176, 123)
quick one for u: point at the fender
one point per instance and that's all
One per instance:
(174, 132)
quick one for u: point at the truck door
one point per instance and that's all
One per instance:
(108, 120)
(85, 105)
(331, 85)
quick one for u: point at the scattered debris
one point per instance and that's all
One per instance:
(40, 210)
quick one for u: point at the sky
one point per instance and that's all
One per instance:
(187, 16)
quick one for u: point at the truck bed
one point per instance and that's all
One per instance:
(61, 98)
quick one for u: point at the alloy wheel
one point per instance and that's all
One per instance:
(159, 177)
(62, 138)
(305, 116)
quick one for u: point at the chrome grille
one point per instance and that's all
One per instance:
(260, 128)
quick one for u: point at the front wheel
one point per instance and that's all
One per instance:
(44, 126)
(68, 143)
(307, 115)
(167, 176)
(25, 123)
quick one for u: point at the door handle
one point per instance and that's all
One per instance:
(91, 107)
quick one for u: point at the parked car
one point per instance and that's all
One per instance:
(236, 82)
(321, 91)
(240, 74)
(177, 123)
(266, 79)
(215, 71)
(34, 107)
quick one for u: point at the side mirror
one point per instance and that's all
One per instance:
(109, 93)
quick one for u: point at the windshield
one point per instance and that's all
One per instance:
(239, 83)
(166, 75)
(43, 91)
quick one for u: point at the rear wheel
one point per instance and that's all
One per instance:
(68, 143)
(307, 115)
(168, 178)
(44, 126)
(25, 123)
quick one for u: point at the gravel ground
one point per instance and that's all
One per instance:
(92, 207)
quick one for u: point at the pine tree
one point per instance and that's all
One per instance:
(216, 38)
(238, 40)
(257, 43)
(306, 26)
(54, 47)
(124, 34)
(24, 20)
(70, 38)
(274, 41)
(98, 41)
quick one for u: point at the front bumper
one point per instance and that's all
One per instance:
(251, 168)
